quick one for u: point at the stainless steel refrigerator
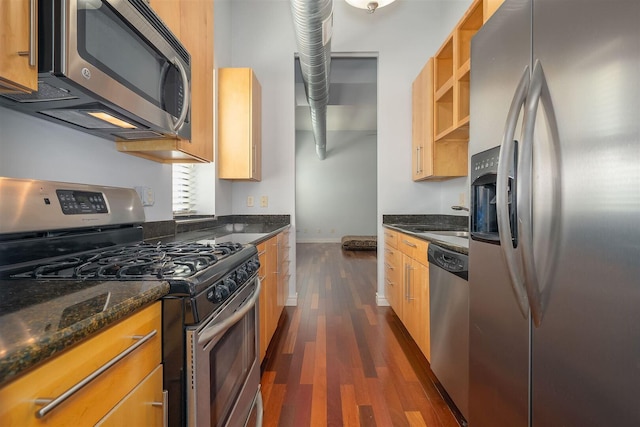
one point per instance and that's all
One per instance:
(554, 256)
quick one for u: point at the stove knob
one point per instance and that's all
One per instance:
(218, 294)
(253, 266)
(242, 275)
(230, 284)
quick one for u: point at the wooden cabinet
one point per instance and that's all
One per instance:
(407, 284)
(141, 407)
(274, 275)
(441, 107)
(134, 372)
(18, 40)
(192, 22)
(268, 292)
(239, 124)
(393, 272)
(415, 302)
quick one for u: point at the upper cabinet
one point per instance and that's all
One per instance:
(192, 22)
(441, 107)
(239, 124)
(18, 40)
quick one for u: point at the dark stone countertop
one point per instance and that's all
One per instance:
(245, 233)
(40, 319)
(415, 225)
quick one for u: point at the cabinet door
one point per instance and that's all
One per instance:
(144, 406)
(18, 34)
(422, 123)
(239, 124)
(272, 286)
(262, 274)
(415, 310)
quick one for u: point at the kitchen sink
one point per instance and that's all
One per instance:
(452, 233)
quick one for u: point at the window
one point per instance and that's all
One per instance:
(184, 194)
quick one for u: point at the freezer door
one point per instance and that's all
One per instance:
(499, 332)
(586, 352)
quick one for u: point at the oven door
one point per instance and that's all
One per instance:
(223, 370)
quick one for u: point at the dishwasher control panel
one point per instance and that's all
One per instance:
(453, 262)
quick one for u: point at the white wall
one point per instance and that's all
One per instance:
(336, 196)
(404, 35)
(36, 149)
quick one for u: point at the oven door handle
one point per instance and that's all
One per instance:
(211, 332)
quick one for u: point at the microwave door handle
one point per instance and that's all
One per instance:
(187, 93)
(514, 265)
(538, 91)
(211, 332)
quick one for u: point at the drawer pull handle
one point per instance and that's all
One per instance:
(389, 266)
(51, 404)
(165, 407)
(408, 243)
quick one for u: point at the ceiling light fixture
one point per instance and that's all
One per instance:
(369, 5)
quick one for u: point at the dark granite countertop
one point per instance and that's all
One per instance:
(246, 233)
(39, 319)
(419, 225)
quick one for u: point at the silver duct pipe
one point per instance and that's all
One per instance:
(313, 22)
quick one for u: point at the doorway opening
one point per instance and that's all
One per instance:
(337, 196)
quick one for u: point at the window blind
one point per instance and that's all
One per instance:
(184, 191)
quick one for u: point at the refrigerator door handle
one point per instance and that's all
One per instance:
(538, 92)
(507, 149)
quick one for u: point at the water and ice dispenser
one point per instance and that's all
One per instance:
(484, 174)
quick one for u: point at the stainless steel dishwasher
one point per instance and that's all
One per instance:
(449, 316)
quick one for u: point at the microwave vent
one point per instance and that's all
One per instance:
(45, 92)
(138, 134)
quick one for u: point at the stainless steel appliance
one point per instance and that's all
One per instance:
(111, 68)
(449, 320)
(553, 255)
(53, 233)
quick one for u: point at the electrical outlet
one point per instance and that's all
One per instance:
(147, 195)
(264, 201)
(461, 199)
(250, 201)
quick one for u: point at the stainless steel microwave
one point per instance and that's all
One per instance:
(111, 68)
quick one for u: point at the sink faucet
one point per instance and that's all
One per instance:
(459, 208)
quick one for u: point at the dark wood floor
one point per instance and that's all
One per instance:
(341, 360)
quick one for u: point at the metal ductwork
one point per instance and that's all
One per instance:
(313, 22)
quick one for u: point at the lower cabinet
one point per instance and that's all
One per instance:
(142, 406)
(407, 285)
(130, 387)
(274, 277)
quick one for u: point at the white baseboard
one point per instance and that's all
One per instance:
(292, 300)
(381, 301)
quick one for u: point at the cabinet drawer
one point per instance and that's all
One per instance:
(390, 238)
(413, 247)
(392, 264)
(91, 402)
(144, 406)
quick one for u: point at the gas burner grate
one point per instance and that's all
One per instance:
(139, 261)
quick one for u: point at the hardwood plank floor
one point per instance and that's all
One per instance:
(338, 359)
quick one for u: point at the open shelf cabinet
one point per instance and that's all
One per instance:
(449, 98)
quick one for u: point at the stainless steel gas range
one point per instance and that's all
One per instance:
(76, 235)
